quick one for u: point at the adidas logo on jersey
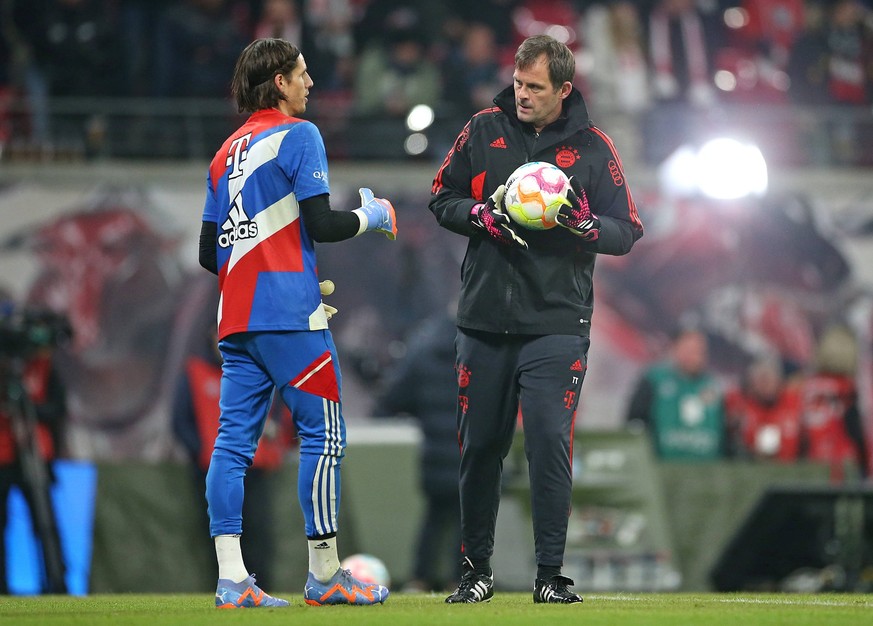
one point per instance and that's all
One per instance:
(500, 142)
(237, 226)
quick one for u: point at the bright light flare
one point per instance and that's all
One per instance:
(420, 117)
(415, 144)
(722, 169)
(729, 169)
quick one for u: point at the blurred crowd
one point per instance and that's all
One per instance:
(772, 413)
(381, 57)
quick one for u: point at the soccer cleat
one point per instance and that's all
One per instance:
(342, 588)
(554, 591)
(244, 595)
(473, 587)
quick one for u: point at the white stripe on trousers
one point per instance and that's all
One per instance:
(324, 495)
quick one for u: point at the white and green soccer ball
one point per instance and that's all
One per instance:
(534, 193)
(367, 568)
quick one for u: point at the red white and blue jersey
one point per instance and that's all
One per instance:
(266, 260)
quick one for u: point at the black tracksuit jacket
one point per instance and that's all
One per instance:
(547, 289)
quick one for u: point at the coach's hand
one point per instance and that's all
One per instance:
(377, 214)
(327, 287)
(490, 218)
(577, 216)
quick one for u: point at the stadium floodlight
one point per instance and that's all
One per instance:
(730, 170)
(420, 117)
(415, 144)
(721, 169)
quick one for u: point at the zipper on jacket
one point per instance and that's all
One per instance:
(508, 300)
(510, 280)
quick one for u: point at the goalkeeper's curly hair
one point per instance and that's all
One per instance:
(252, 85)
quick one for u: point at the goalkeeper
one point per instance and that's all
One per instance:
(526, 300)
(267, 202)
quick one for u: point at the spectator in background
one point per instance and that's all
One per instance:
(764, 413)
(471, 74)
(280, 18)
(6, 86)
(498, 14)
(679, 402)
(773, 27)
(424, 384)
(76, 47)
(331, 23)
(396, 74)
(850, 53)
(383, 16)
(832, 63)
(808, 61)
(198, 42)
(619, 75)
(831, 420)
(62, 48)
(138, 22)
(680, 49)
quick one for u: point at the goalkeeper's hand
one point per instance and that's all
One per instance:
(327, 287)
(376, 214)
(490, 218)
(577, 216)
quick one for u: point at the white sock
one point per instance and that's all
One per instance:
(323, 559)
(230, 561)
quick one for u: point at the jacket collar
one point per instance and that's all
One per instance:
(573, 116)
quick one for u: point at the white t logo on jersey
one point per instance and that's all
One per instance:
(237, 154)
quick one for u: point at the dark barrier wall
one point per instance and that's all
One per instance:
(148, 536)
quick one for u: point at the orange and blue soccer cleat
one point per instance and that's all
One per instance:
(342, 588)
(244, 595)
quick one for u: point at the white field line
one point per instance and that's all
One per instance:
(776, 601)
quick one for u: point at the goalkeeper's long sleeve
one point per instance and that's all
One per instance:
(208, 256)
(326, 225)
(322, 223)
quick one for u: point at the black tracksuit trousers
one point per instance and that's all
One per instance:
(498, 374)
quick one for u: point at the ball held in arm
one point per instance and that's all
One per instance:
(535, 192)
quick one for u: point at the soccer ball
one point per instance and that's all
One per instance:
(534, 193)
(367, 568)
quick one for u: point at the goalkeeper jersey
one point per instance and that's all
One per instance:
(266, 260)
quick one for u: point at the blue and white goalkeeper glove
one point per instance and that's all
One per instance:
(376, 214)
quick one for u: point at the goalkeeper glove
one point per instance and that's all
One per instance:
(327, 287)
(577, 216)
(376, 214)
(490, 218)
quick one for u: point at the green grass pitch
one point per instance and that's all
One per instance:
(679, 609)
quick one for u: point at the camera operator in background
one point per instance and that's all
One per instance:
(32, 416)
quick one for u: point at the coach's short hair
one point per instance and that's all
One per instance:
(562, 63)
(256, 67)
